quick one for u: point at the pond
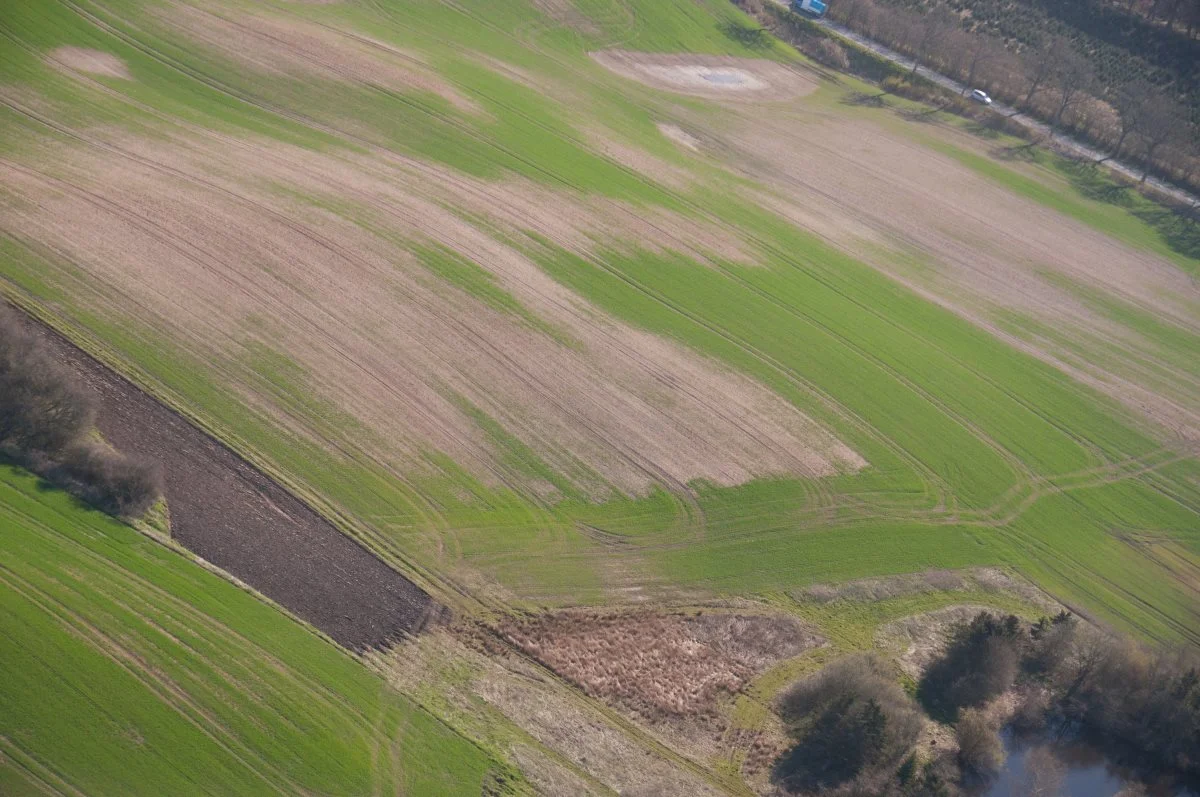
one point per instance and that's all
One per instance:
(1071, 768)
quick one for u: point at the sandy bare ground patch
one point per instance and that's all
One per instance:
(985, 579)
(565, 13)
(639, 160)
(94, 62)
(660, 666)
(680, 136)
(290, 46)
(918, 640)
(224, 262)
(713, 76)
(987, 251)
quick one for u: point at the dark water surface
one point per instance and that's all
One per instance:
(1065, 768)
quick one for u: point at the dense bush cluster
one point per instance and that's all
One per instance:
(982, 659)
(853, 728)
(44, 420)
(1143, 706)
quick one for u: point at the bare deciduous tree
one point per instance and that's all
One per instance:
(929, 31)
(1041, 66)
(1163, 124)
(974, 52)
(1130, 103)
(1073, 77)
(979, 747)
(1044, 774)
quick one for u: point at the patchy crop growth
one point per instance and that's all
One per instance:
(617, 305)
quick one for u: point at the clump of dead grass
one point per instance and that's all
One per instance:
(659, 666)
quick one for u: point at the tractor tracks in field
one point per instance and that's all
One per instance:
(1025, 479)
(680, 490)
(158, 683)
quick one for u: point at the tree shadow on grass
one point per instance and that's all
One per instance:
(827, 756)
(1026, 153)
(43, 485)
(752, 37)
(984, 130)
(922, 115)
(863, 99)
(1179, 226)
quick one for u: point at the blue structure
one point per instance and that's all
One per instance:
(812, 8)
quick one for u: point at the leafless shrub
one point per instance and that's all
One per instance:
(830, 53)
(1044, 774)
(44, 415)
(1029, 716)
(42, 410)
(980, 750)
(108, 480)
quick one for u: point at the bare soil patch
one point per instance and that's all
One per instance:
(712, 76)
(278, 46)
(985, 251)
(985, 579)
(680, 136)
(640, 161)
(660, 666)
(215, 256)
(565, 13)
(94, 62)
(234, 516)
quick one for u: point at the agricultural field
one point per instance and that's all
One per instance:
(569, 309)
(129, 669)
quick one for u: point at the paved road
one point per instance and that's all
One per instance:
(1062, 142)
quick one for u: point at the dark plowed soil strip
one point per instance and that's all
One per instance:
(234, 516)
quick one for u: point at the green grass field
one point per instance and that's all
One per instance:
(130, 670)
(979, 454)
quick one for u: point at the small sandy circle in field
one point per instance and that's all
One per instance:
(709, 75)
(93, 62)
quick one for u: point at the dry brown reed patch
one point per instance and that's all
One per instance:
(659, 666)
(567, 745)
(978, 579)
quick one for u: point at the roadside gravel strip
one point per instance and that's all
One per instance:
(234, 516)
